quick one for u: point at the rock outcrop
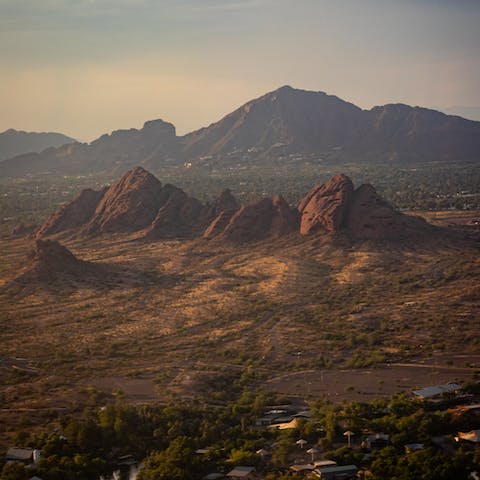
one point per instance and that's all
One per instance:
(72, 215)
(359, 213)
(128, 205)
(51, 267)
(139, 204)
(370, 217)
(50, 262)
(225, 202)
(50, 256)
(136, 203)
(265, 219)
(179, 216)
(324, 207)
(220, 213)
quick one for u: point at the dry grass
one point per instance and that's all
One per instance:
(193, 307)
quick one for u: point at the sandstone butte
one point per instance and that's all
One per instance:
(138, 203)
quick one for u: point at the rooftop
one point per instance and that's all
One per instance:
(240, 471)
(22, 454)
(429, 392)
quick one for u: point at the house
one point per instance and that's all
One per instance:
(413, 447)
(460, 409)
(264, 453)
(241, 472)
(271, 417)
(472, 436)
(126, 461)
(26, 456)
(282, 419)
(303, 414)
(376, 441)
(436, 391)
(324, 463)
(302, 469)
(338, 472)
(283, 426)
(214, 476)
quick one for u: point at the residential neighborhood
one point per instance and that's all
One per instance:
(299, 440)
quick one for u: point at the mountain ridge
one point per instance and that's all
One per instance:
(17, 142)
(272, 126)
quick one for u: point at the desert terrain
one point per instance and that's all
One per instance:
(162, 319)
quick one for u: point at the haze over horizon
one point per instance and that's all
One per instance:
(87, 67)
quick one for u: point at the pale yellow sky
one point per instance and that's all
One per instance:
(87, 67)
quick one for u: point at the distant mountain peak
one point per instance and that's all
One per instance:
(273, 127)
(17, 142)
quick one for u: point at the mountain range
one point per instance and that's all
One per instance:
(283, 122)
(14, 142)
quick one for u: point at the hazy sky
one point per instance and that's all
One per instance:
(86, 67)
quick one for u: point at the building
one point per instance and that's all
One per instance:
(436, 391)
(339, 472)
(214, 476)
(27, 456)
(413, 447)
(242, 472)
(472, 436)
(302, 469)
(460, 409)
(324, 463)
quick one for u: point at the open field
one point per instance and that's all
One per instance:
(309, 317)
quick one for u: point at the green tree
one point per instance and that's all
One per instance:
(13, 471)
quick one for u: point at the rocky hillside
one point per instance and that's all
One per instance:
(285, 121)
(139, 204)
(330, 209)
(51, 265)
(136, 203)
(265, 219)
(360, 213)
(288, 120)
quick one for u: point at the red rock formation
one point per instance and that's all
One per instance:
(249, 223)
(324, 207)
(265, 219)
(220, 213)
(169, 219)
(225, 202)
(138, 203)
(50, 259)
(284, 220)
(73, 214)
(52, 267)
(219, 224)
(371, 217)
(360, 213)
(128, 205)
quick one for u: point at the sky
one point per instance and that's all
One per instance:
(87, 67)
